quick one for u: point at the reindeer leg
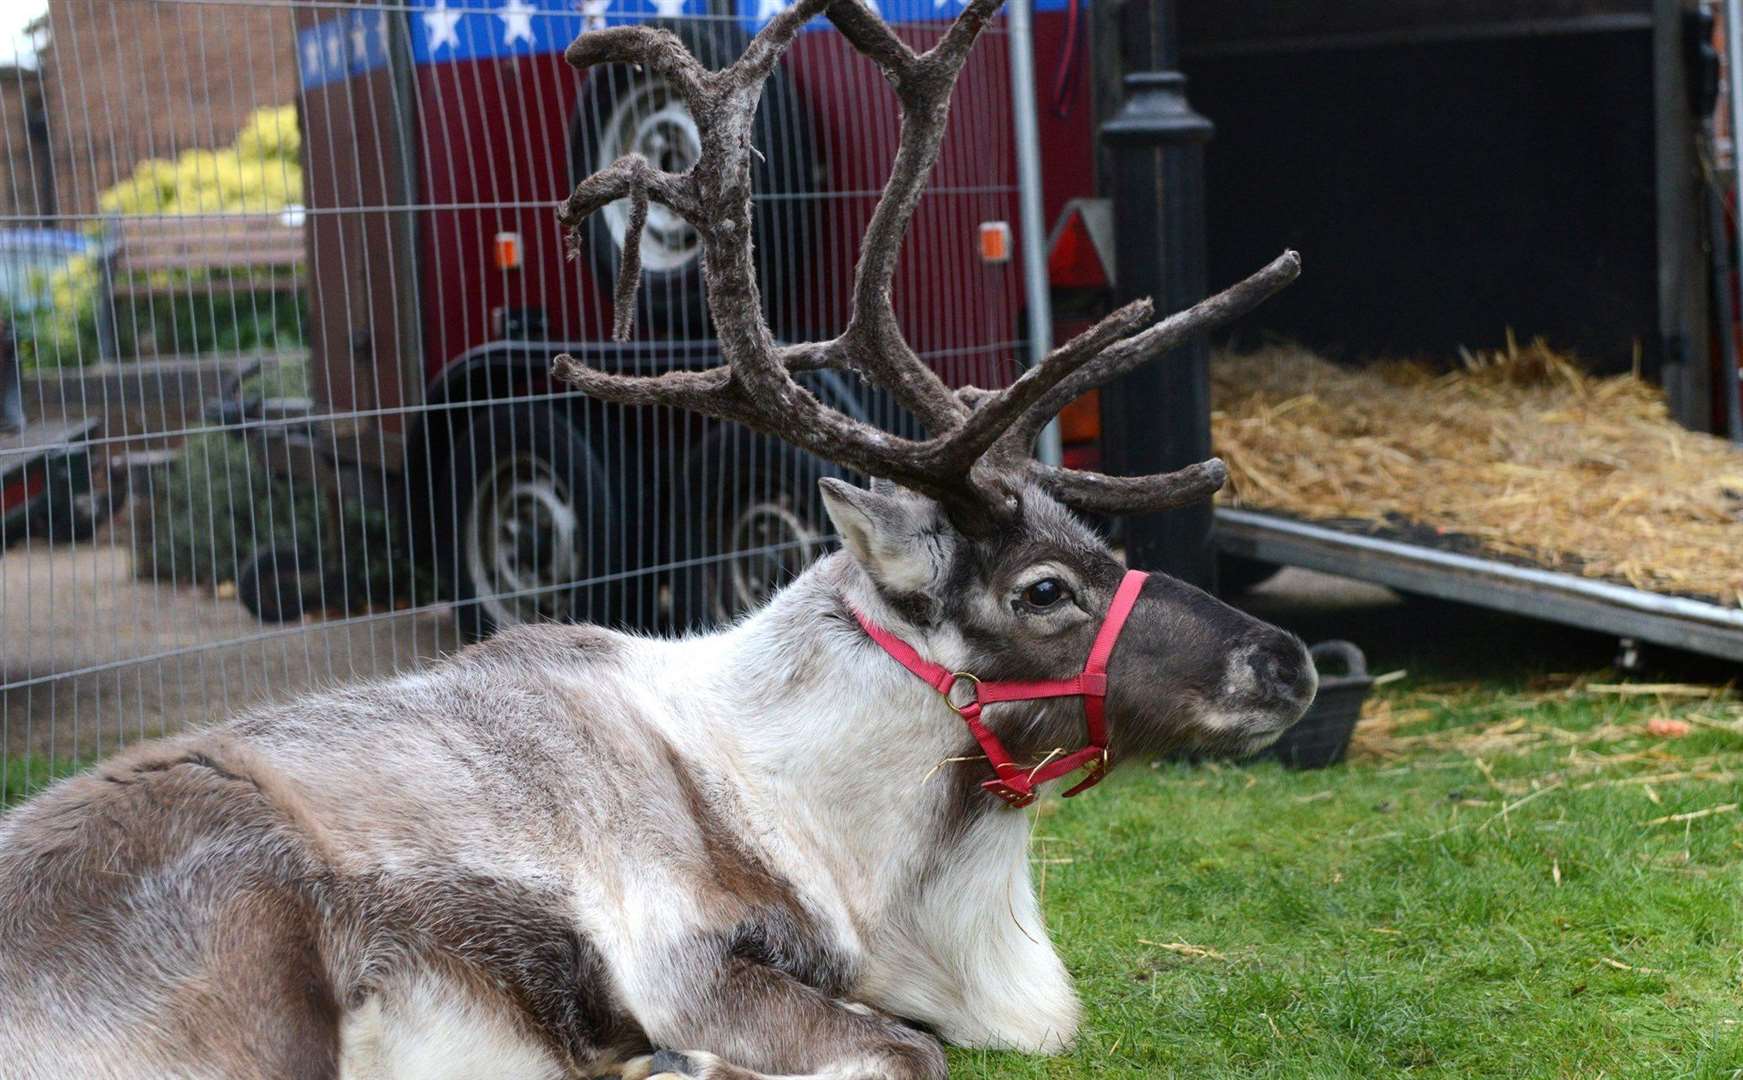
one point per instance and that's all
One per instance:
(761, 1023)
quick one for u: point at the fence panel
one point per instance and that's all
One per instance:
(282, 280)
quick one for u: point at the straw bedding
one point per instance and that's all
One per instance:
(1517, 454)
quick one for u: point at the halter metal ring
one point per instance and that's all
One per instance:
(956, 679)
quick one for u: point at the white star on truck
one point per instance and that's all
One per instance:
(441, 26)
(517, 22)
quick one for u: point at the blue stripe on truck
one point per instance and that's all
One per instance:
(444, 31)
(335, 50)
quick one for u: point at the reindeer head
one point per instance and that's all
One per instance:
(973, 543)
(1027, 603)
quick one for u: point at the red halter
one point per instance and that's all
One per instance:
(1013, 784)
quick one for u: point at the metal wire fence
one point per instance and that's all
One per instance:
(281, 281)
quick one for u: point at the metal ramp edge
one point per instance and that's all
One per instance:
(1674, 621)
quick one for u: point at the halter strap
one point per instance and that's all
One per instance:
(1013, 783)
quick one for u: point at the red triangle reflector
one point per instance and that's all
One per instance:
(1074, 262)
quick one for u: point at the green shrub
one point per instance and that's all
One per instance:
(60, 326)
(210, 317)
(217, 505)
(214, 507)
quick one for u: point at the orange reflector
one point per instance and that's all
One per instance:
(508, 255)
(1080, 421)
(995, 241)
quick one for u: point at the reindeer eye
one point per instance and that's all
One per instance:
(1045, 593)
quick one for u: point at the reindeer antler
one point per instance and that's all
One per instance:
(979, 439)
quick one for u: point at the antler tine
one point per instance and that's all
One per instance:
(756, 385)
(1133, 352)
(873, 343)
(653, 47)
(966, 464)
(951, 50)
(1098, 492)
(997, 410)
(633, 178)
(620, 180)
(1103, 494)
(765, 49)
(699, 390)
(872, 37)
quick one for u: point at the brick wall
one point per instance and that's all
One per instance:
(25, 178)
(127, 80)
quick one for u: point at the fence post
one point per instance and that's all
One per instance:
(1037, 300)
(1158, 418)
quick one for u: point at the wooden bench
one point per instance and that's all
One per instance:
(156, 257)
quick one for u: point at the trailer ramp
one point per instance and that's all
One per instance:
(1676, 621)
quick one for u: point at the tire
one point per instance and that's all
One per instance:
(77, 507)
(756, 521)
(274, 588)
(283, 583)
(622, 110)
(524, 509)
(1236, 576)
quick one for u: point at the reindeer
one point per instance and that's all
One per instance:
(792, 847)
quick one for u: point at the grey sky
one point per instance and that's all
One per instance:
(15, 15)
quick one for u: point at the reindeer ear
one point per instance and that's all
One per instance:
(890, 533)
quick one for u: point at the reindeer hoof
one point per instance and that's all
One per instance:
(673, 1065)
(637, 1068)
(670, 1062)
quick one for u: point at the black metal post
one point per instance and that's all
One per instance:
(11, 386)
(1158, 418)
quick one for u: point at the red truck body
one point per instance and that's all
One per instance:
(459, 142)
(438, 139)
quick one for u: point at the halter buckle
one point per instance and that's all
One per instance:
(956, 679)
(1012, 796)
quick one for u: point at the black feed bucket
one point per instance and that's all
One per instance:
(1323, 736)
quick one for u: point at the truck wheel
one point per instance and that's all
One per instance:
(527, 505)
(758, 522)
(626, 111)
(273, 586)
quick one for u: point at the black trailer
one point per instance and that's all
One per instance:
(1451, 169)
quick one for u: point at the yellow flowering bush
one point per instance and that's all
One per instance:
(147, 191)
(260, 173)
(270, 134)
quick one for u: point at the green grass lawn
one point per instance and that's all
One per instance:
(1559, 897)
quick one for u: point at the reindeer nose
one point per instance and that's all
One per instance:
(1283, 667)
